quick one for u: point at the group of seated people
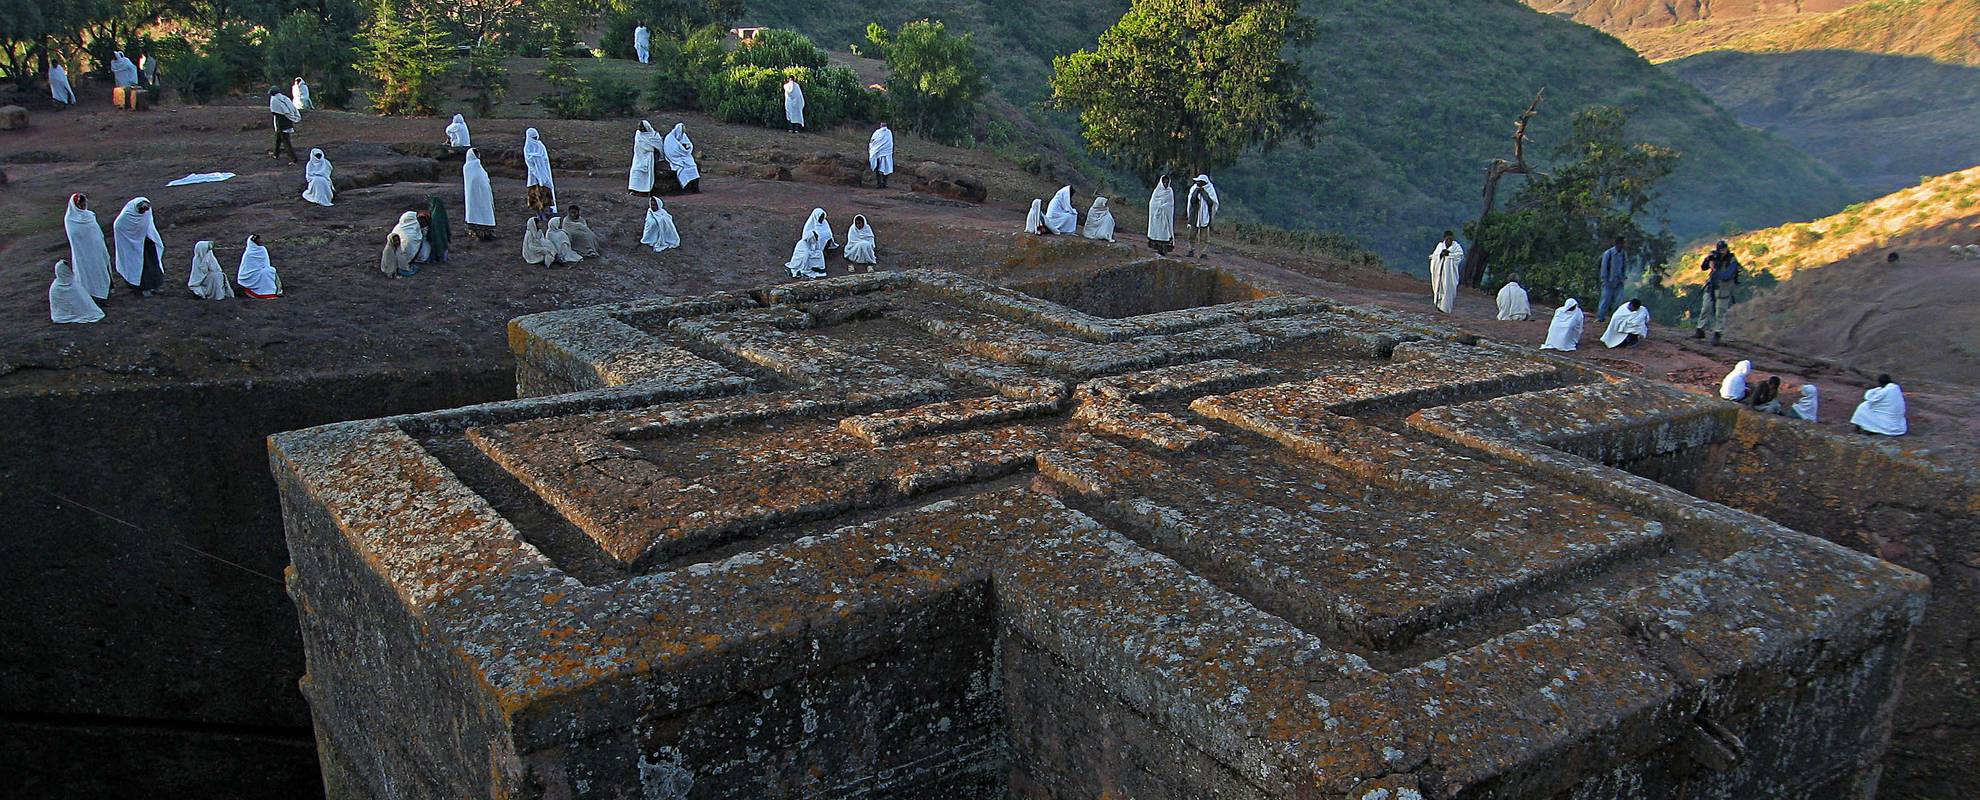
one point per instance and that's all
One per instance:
(1629, 324)
(816, 239)
(1881, 413)
(563, 239)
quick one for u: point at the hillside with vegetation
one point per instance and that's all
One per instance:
(1942, 30)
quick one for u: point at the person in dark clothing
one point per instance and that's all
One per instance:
(284, 114)
(1722, 275)
(1614, 271)
(1766, 396)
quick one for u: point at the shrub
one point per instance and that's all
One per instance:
(484, 76)
(934, 78)
(195, 78)
(776, 49)
(745, 95)
(683, 69)
(407, 57)
(302, 44)
(612, 97)
(239, 55)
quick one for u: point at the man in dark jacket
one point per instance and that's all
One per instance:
(1722, 275)
(1615, 270)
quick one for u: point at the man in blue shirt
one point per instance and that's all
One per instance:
(1615, 270)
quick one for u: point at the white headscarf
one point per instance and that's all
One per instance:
(659, 232)
(1513, 302)
(1882, 411)
(477, 196)
(537, 158)
(1734, 386)
(679, 152)
(256, 274)
(793, 101)
(1624, 322)
(67, 300)
(1035, 218)
(411, 236)
(132, 229)
(1564, 333)
(880, 150)
(88, 255)
(299, 92)
(860, 245)
(819, 224)
(58, 85)
(1162, 212)
(317, 187)
(536, 248)
(1809, 403)
(1099, 221)
(207, 279)
(457, 133)
(808, 255)
(646, 144)
(1060, 215)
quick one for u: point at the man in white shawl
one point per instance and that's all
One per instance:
(1202, 207)
(1445, 260)
(122, 70)
(537, 158)
(457, 133)
(88, 255)
(880, 154)
(678, 149)
(282, 112)
(659, 232)
(1512, 302)
(1060, 216)
(643, 43)
(1629, 325)
(316, 179)
(646, 145)
(68, 301)
(477, 196)
(1882, 410)
(208, 280)
(1733, 387)
(299, 92)
(58, 85)
(1807, 407)
(793, 105)
(1564, 333)
(808, 255)
(256, 275)
(1099, 221)
(140, 250)
(1034, 219)
(1162, 217)
(860, 245)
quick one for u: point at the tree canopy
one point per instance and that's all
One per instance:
(933, 77)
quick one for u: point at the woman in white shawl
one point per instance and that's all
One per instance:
(860, 245)
(659, 232)
(477, 196)
(256, 275)
(793, 105)
(1162, 217)
(1882, 410)
(1734, 386)
(1099, 221)
(643, 43)
(1513, 304)
(299, 92)
(457, 133)
(646, 145)
(88, 255)
(1060, 215)
(560, 239)
(1808, 406)
(208, 280)
(679, 151)
(122, 70)
(1627, 325)
(412, 238)
(1034, 220)
(808, 256)
(1564, 333)
(140, 250)
(58, 85)
(880, 154)
(536, 247)
(67, 300)
(537, 158)
(316, 179)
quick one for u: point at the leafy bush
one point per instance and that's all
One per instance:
(239, 54)
(777, 49)
(485, 77)
(195, 78)
(683, 69)
(754, 95)
(302, 44)
(612, 97)
(407, 57)
(934, 78)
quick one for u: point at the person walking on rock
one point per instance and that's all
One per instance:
(282, 111)
(1721, 269)
(1201, 207)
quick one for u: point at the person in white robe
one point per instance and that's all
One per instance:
(392, 259)
(860, 246)
(68, 301)
(659, 232)
(1060, 215)
(643, 43)
(560, 239)
(646, 145)
(1099, 221)
(1513, 304)
(1162, 217)
(122, 70)
(457, 133)
(1564, 332)
(58, 85)
(1034, 220)
(412, 238)
(583, 239)
(140, 250)
(207, 280)
(284, 115)
(88, 255)
(1445, 261)
(536, 247)
(1733, 387)
(1627, 326)
(256, 275)
(1808, 407)
(678, 149)
(299, 92)
(537, 158)
(880, 154)
(808, 255)
(477, 196)
(316, 179)
(793, 105)
(1882, 410)
(1201, 207)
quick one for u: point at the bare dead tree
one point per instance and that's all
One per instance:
(1474, 259)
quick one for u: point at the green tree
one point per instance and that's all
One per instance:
(29, 29)
(1558, 223)
(1190, 83)
(408, 52)
(485, 76)
(933, 78)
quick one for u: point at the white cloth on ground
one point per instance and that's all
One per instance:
(88, 255)
(68, 301)
(475, 192)
(646, 145)
(678, 149)
(1035, 218)
(1564, 332)
(207, 279)
(202, 177)
(880, 151)
(58, 85)
(1162, 213)
(1445, 261)
(537, 158)
(122, 70)
(659, 232)
(1513, 304)
(256, 274)
(1099, 221)
(1060, 216)
(1623, 322)
(131, 229)
(793, 102)
(1882, 411)
(1809, 404)
(457, 133)
(859, 241)
(1205, 214)
(317, 187)
(299, 92)
(1734, 385)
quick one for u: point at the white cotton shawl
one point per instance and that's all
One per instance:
(1035, 218)
(808, 255)
(1734, 386)
(121, 68)
(793, 102)
(1060, 215)
(1099, 221)
(1882, 411)
(255, 273)
(67, 300)
(58, 85)
(1206, 213)
(1624, 322)
(88, 255)
(643, 44)
(317, 187)
(207, 279)
(1809, 404)
(678, 149)
(860, 245)
(1564, 333)
(1162, 213)
(1444, 274)
(537, 158)
(659, 232)
(880, 151)
(131, 229)
(1513, 304)
(457, 133)
(299, 92)
(561, 240)
(475, 192)
(281, 104)
(646, 144)
(536, 248)
(411, 236)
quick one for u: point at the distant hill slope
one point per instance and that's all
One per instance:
(1422, 94)
(1619, 16)
(1944, 30)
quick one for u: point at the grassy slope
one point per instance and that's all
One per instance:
(1943, 30)
(1422, 93)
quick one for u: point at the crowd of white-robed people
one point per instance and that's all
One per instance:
(1060, 216)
